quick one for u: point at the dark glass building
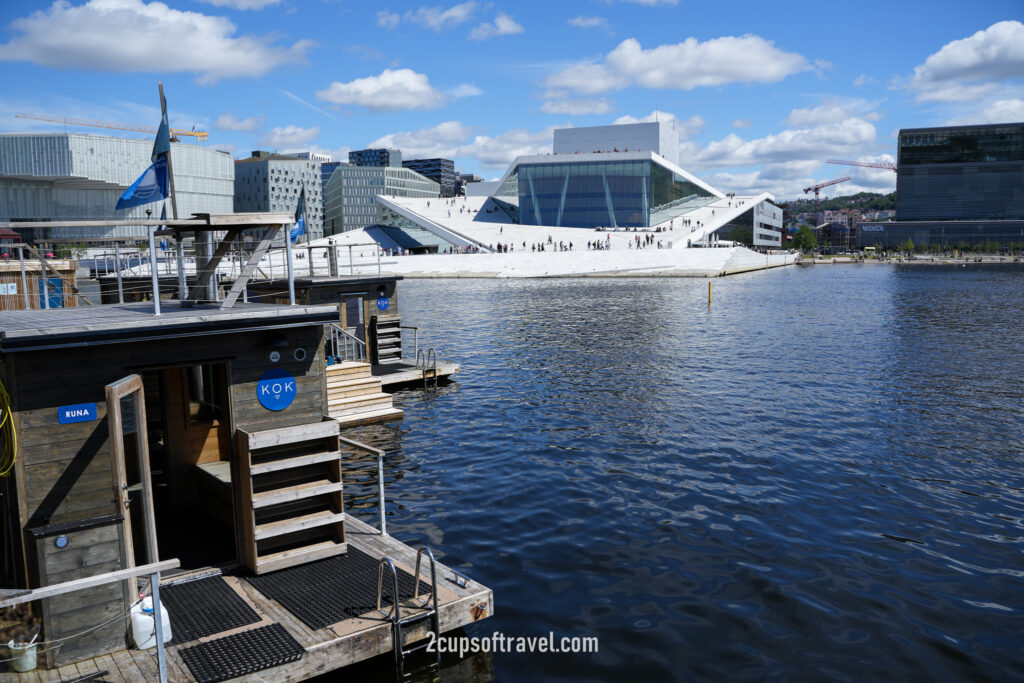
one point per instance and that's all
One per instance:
(375, 157)
(961, 173)
(441, 171)
(625, 189)
(957, 187)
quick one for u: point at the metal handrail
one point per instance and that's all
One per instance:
(433, 578)
(345, 345)
(396, 609)
(380, 478)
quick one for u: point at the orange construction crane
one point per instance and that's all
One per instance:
(819, 186)
(199, 135)
(865, 164)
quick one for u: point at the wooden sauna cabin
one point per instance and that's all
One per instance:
(232, 404)
(194, 436)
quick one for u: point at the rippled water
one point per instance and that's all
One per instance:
(818, 478)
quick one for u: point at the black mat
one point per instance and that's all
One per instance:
(332, 590)
(204, 607)
(242, 653)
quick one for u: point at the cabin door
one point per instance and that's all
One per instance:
(129, 448)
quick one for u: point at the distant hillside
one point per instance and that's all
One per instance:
(864, 201)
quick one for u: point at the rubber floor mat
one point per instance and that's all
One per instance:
(241, 654)
(328, 591)
(204, 607)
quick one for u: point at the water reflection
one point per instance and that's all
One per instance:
(819, 476)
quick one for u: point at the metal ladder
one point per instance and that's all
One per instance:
(427, 363)
(426, 610)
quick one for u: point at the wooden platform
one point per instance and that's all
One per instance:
(394, 375)
(342, 644)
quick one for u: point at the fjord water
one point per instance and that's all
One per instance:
(819, 477)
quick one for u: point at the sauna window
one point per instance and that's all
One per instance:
(205, 393)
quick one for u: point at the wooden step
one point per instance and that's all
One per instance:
(292, 524)
(298, 461)
(345, 383)
(355, 401)
(349, 370)
(290, 558)
(334, 395)
(370, 417)
(290, 493)
(338, 413)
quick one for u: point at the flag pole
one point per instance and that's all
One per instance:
(170, 169)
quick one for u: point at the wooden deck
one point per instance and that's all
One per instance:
(393, 375)
(327, 649)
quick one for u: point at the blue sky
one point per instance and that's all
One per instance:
(762, 93)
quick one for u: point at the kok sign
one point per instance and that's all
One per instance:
(382, 303)
(276, 389)
(80, 412)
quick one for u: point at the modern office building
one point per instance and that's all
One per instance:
(441, 171)
(312, 156)
(62, 176)
(325, 174)
(376, 157)
(273, 182)
(956, 187)
(351, 190)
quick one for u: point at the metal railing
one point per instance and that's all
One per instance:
(380, 477)
(344, 345)
(426, 362)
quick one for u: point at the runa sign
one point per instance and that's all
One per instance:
(276, 389)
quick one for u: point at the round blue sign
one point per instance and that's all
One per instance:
(382, 303)
(276, 389)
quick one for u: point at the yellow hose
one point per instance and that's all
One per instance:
(9, 433)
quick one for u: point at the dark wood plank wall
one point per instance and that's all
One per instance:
(65, 471)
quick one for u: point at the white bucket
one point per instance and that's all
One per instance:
(144, 624)
(24, 656)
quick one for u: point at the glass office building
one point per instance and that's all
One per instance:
(961, 173)
(61, 176)
(350, 191)
(635, 189)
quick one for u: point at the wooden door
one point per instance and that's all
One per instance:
(126, 418)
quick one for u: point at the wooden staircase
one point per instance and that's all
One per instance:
(355, 396)
(289, 483)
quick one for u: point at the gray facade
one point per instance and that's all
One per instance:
(273, 182)
(659, 137)
(969, 173)
(943, 235)
(350, 192)
(60, 176)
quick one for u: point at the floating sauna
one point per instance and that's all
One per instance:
(199, 437)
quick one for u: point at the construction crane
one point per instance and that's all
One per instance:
(199, 135)
(865, 164)
(819, 186)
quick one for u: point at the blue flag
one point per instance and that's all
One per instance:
(150, 187)
(300, 216)
(162, 144)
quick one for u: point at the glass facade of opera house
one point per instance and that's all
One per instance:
(638, 192)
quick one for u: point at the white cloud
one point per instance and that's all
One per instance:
(841, 139)
(388, 19)
(132, 36)
(589, 22)
(439, 19)
(1000, 111)
(365, 51)
(966, 69)
(242, 4)
(465, 90)
(787, 180)
(863, 79)
(742, 123)
(503, 25)
(685, 129)
(392, 90)
(577, 106)
(453, 139)
(288, 137)
(682, 66)
(229, 121)
(831, 110)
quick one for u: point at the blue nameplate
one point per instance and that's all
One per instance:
(81, 412)
(276, 389)
(382, 303)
